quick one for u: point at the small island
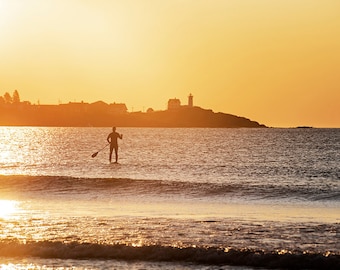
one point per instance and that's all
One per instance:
(304, 127)
(13, 112)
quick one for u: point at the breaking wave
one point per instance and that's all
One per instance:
(210, 256)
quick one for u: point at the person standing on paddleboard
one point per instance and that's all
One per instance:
(112, 139)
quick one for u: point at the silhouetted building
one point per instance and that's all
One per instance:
(117, 108)
(74, 106)
(174, 104)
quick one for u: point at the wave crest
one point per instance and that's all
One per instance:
(199, 255)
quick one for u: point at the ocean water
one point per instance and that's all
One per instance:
(180, 198)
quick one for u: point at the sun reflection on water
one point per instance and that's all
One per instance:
(8, 208)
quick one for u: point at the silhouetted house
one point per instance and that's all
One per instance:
(113, 108)
(99, 107)
(75, 107)
(174, 104)
(117, 108)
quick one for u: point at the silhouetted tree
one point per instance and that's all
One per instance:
(8, 98)
(2, 100)
(16, 97)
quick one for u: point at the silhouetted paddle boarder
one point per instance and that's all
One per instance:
(112, 139)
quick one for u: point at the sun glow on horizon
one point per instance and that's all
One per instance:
(8, 208)
(275, 62)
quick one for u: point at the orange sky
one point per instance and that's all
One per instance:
(276, 62)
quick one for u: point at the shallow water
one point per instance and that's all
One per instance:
(179, 198)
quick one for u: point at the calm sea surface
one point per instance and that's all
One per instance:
(181, 198)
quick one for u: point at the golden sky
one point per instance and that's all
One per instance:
(275, 62)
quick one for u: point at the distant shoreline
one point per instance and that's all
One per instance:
(100, 114)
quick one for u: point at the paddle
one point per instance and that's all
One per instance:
(96, 153)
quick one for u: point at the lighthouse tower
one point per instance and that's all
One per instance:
(190, 101)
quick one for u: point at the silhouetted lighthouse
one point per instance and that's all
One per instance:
(190, 100)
